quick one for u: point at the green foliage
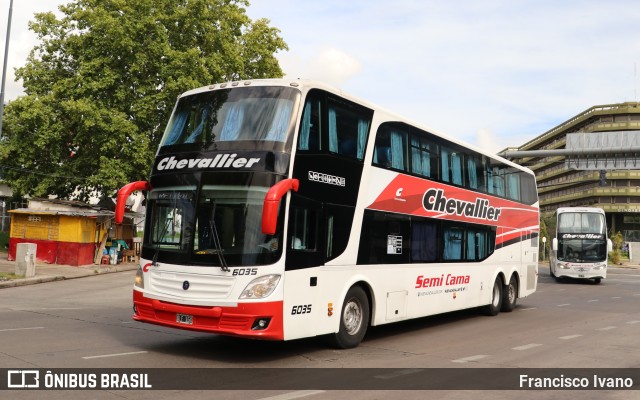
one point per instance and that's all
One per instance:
(4, 241)
(547, 230)
(102, 81)
(543, 251)
(615, 256)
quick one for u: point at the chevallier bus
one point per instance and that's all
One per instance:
(580, 248)
(283, 209)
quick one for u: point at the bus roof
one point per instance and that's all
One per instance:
(580, 209)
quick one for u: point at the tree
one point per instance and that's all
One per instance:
(101, 84)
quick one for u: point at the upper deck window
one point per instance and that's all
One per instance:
(333, 125)
(244, 113)
(579, 222)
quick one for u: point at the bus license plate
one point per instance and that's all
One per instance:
(184, 319)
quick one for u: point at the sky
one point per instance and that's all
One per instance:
(493, 73)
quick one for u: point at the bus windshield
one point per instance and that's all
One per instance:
(265, 114)
(582, 237)
(218, 225)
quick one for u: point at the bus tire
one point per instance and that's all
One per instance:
(354, 319)
(597, 281)
(494, 307)
(510, 295)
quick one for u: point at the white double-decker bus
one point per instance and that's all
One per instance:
(580, 247)
(281, 209)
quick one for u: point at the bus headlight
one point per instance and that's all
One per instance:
(600, 266)
(139, 281)
(562, 265)
(261, 287)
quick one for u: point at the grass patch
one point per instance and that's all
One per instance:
(4, 276)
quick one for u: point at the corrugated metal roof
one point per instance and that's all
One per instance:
(68, 213)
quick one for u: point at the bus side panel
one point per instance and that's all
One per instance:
(315, 310)
(529, 267)
(301, 311)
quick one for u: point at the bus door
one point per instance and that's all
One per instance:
(304, 250)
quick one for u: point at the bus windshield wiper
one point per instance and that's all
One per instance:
(216, 241)
(165, 229)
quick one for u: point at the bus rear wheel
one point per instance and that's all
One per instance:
(354, 319)
(510, 295)
(494, 307)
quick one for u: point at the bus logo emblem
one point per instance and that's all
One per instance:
(185, 285)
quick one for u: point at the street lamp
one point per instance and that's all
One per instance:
(4, 68)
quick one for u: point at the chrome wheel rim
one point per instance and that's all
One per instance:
(496, 294)
(512, 293)
(352, 317)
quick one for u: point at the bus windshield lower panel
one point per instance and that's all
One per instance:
(215, 224)
(582, 250)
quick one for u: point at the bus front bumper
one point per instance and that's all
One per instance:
(251, 320)
(581, 271)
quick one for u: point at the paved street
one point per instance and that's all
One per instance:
(86, 323)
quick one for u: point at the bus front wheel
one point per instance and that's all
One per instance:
(354, 319)
(494, 307)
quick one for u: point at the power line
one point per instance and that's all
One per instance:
(75, 178)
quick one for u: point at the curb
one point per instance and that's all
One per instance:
(52, 278)
(29, 281)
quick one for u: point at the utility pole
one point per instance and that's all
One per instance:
(4, 68)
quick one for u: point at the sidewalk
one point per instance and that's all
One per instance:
(55, 272)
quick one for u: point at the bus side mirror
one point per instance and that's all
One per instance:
(123, 195)
(554, 244)
(272, 204)
(609, 245)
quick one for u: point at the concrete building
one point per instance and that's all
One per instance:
(561, 185)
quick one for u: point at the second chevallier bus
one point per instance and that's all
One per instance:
(581, 246)
(284, 209)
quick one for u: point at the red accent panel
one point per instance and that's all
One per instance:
(272, 203)
(232, 321)
(507, 236)
(46, 250)
(123, 195)
(406, 194)
(51, 252)
(75, 254)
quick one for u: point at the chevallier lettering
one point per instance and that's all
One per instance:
(435, 200)
(219, 161)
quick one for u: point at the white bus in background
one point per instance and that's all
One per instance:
(580, 246)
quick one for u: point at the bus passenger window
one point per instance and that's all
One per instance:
(495, 181)
(423, 241)
(382, 156)
(424, 157)
(309, 138)
(451, 166)
(303, 229)
(391, 149)
(475, 173)
(338, 228)
(452, 244)
(348, 130)
(513, 184)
